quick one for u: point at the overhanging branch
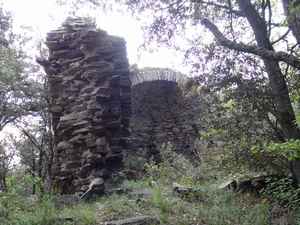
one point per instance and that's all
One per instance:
(220, 6)
(262, 52)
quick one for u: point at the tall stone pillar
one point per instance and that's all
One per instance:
(89, 89)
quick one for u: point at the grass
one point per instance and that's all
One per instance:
(216, 207)
(17, 210)
(83, 214)
(206, 206)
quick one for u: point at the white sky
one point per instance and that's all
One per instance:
(45, 15)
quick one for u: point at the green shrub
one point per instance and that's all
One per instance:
(23, 184)
(289, 149)
(20, 212)
(283, 191)
(173, 167)
(162, 203)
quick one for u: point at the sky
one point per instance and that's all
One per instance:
(44, 15)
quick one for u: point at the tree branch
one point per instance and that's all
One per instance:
(31, 139)
(220, 6)
(282, 37)
(262, 52)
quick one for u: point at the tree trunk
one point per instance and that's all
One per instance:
(40, 170)
(33, 172)
(3, 186)
(293, 16)
(285, 113)
(50, 158)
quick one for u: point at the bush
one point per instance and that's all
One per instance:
(22, 184)
(283, 191)
(17, 210)
(173, 167)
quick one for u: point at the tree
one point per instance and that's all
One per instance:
(23, 104)
(17, 90)
(35, 149)
(7, 156)
(291, 10)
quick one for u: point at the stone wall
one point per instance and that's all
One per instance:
(162, 112)
(89, 87)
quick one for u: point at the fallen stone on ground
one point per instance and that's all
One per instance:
(134, 193)
(181, 189)
(281, 216)
(250, 184)
(188, 193)
(61, 201)
(138, 220)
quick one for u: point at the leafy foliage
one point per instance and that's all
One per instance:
(283, 192)
(17, 208)
(19, 94)
(289, 149)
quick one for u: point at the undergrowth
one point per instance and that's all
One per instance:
(206, 205)
(19, 210)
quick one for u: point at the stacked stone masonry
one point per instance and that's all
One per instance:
(90, 104)
(162, 114)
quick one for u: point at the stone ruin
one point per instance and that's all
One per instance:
(99, 108)
(162, 113)
(90, 104)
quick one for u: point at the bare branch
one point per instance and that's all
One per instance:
(282, 37)
(220, 6)
(262, 52)
(31, 139)
(268, 4)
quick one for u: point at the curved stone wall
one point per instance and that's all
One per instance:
(161, 114)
